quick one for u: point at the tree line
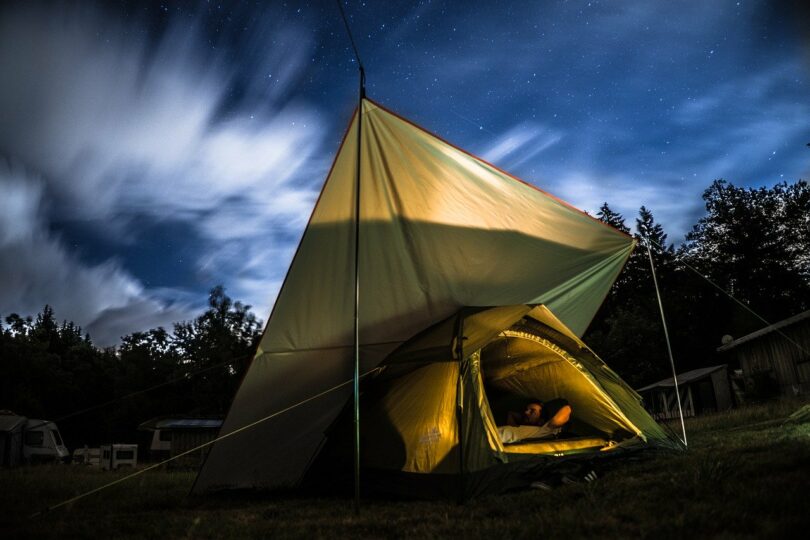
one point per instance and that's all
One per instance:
(49, 370)
(752, 242)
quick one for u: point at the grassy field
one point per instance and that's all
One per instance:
(745, 475)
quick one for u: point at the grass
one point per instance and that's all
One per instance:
(744, 476)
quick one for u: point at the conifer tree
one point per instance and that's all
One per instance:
(614, 219)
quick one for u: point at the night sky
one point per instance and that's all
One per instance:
(149, 151)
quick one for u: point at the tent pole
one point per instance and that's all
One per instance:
(460, 405)
(666, 336)
(356, 385)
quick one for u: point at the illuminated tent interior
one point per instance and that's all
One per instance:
(430, 420)
(449, 247)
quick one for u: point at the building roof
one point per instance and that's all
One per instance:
(684, 378)
(767, 330)
(179, 422)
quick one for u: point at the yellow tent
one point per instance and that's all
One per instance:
(448, 244)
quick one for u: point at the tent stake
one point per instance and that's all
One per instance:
(666, 336)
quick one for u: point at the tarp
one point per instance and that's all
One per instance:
(439, 230)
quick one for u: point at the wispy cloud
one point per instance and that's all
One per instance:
(744, 126)
(588, 190)
(37, 268)
(520, 144)
(116, 128)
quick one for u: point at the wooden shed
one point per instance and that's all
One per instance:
(775, 359)
(704, 390)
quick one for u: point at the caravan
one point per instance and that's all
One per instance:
(42, 443)
(27, 440)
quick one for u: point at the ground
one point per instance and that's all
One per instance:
(745, 475)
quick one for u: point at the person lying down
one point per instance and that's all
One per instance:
(537, 421)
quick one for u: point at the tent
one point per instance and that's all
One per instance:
(470, 278)
(12, 428)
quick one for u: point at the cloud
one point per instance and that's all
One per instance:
(110, 324)
(121, 129)
(764, 124)
(589, 190)
(520, 144)
(36, 269)
(19, 206)
(746, 96)
(255, 269)
(132, 127)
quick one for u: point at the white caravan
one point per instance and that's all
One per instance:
(42, 443)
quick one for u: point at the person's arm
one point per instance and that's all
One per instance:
(513, 418)
(561, 418)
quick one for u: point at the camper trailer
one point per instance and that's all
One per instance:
(115, 456)
(87, 456)
(42, 443)
(27, 440)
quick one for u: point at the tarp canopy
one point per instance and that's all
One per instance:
(440, 230)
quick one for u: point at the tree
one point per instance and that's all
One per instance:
(753, 242)
(19, 326)
(49, 370)
(650, 231)
(614, 219)
(146, 360)
(46, 329)
(627, 331)
(795, 224)
(218, 345)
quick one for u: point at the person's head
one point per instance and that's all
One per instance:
(533, 413)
